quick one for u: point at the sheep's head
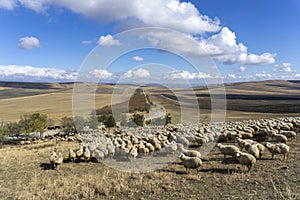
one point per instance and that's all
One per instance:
(267, 144)
(237, 154)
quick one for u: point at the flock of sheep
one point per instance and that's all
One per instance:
(245, 141)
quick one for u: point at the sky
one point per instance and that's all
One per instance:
(232, 40)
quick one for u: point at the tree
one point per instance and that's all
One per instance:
(107, 120)
(13, 128)
(35, 122)
(68, 124)
(110, 121)
(168, 119)
(138, 119)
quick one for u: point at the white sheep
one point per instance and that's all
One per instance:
(253, 150)
(246, 159)
(133, 154)
(188, 152)
(52, 157)
(242, 143)
(72, 155)
(111, 150)
(98, 155)
(79, 152)
(228, 149)
(280, 138)
(58, 160)
(86, 154)
(278, 148)
(261, 149)
(190, 162)
(289, 134)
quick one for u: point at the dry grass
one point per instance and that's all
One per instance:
(24, 175)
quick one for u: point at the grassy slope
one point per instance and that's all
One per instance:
(244, 100)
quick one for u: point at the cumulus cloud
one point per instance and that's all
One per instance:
(8, 4)
(138, 58)
(231, 76)
(137, 73)
(101, 73)
(182, 16)
(286, 67)
(221, 46)
(18, 72)
(173, 14)
(108, 40)
(242, 69)
(186, 75)
(28, 42)
(224, 47)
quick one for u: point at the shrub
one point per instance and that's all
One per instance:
(138, 119)
(68, 124)
(107, 120)
(13, 128)
(35, 122)
(168, 119)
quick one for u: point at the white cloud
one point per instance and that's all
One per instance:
(242, 68)
(108, 40)
(137, 73)
(186, 75)
(87, 42)
(224, 47)
(18, 72)
(39, 6)
(8, 4)
(221, 46)
(286, 67)
(231, 76)
(101, 73)
(29, 42)
(138, 58)
(263, 75)
(182, 16)
(173, 14)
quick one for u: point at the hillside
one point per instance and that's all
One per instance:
(244, 100)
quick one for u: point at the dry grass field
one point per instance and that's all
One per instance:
(244, 100)
(25, 172)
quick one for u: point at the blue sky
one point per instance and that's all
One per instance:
(48, 40)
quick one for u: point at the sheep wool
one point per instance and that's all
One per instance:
(190, 162)
(228, 149)
(278, 148)
(246, 159)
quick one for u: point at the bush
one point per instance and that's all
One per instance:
(168, 119)
(13, 128)
(107, 120)
(138, 119)
(35, 122)
(68, 124)
(3, 132)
